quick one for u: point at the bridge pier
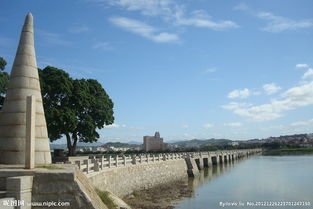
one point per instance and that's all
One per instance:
(215, 160)
(225, 158)
(192, 167)
(221, 158)
(199, 162)
(229, 157)
(207, 162)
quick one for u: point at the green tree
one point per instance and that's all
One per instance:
(3, 63)
(75, 108)
(4, 79)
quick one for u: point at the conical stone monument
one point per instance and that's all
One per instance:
(24, 81)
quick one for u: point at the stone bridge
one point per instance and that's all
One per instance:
(195, 161)
(123, 174)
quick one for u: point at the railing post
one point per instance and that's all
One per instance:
(116, 160)
(110, 161)
(140, 159)
(124, 157)
(96, 164)
(102, 161)
(87, 165)
(147, 156)
(77, 162)
(134, 160)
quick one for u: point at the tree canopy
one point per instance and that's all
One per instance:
(75, 108)
(4, 79)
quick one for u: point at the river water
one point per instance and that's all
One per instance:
(259, 180)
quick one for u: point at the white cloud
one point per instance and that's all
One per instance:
(295, 97)
(78, 29)
(271, 88)
(308, 74)
(278, 24)
(172, 12)
(233, 124)
(114, 125)
(148, 8)
(165, 37)
(241, 7)
(302, 65)
(201, 19)
(302, 123)
(208, 125)
(257, 113)
(144, 30)
(239, 93)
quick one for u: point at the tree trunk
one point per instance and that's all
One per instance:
(71, 147)
(74, 137)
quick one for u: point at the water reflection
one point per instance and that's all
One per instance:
(208, 174)
(260, 178)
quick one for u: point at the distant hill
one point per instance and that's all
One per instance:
(202, 142)
(134, 142)
(119, 144)
(79, 144)
(196, 143)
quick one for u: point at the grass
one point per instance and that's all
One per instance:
(50, 166)
(136, 194)
(106, 199)
(288, 151)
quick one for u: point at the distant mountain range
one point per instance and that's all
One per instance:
(187, 143)
(194, 142)
(202, 142)
(97, 144)
(79, 144)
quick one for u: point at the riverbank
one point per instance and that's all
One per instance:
(289, 151)
(160, 197)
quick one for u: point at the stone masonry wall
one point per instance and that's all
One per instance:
(125, 180)
(73, 187)
(63, 184)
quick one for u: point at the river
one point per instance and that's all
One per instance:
(257, 180)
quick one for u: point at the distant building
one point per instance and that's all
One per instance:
(233, 143)
(116, 149)
(153, 143)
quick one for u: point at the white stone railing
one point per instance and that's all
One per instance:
(97, 163)
(100, 162)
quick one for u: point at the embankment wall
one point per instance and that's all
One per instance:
(67, 185)
(125, 180)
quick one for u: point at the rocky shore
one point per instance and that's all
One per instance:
(160, 197)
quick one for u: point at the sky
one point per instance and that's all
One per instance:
(188, 68)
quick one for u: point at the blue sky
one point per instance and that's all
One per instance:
(189, 69)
